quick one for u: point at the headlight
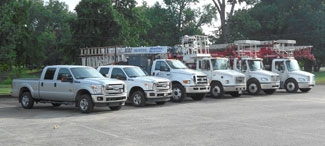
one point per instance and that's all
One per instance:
(150, 86)
(264, 79)
(301, 79)
(98, 89)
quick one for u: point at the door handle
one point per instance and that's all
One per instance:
(42, 84)
(54, 84)
(167, 74)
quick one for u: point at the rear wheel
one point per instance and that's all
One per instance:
(198, 96)
(26, 100)
(269, 91)
(85, 104)
(291, 86)
(305, 89)
(216, 90)
(253, 87)
(178, 93)
(138, 99)
(235, 94)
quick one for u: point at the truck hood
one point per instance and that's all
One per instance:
(100, 81)
(300, 73)
(229, 73)
(152, 79)
(265, 73)
(189, 72)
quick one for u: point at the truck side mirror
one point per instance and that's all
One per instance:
(66, 79)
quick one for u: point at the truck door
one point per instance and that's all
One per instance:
(63, 90)
(47, 84)
(162, 70)
(205, 67)
(279, 68)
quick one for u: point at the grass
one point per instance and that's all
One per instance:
(320, 77)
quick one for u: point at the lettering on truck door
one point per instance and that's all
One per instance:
(47, 84)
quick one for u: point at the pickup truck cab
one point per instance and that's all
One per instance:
(141, 87)
(185, 81)
(67, 84)
(222, 79)
(257, 78)
(291, 77)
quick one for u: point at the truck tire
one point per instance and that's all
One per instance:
(235, 94)
(26, 100)
(253, 87)
(160, 102)
(305, 89)
(178, 93)
(115, 108)
(216, 90)
(269, 91)
(198, 96)
(85, 104)
(291, 86)
(138, 99)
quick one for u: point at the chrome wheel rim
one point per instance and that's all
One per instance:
(252, 88)
(177, 93)
(291, 86)
(216, 90)
(25, 100)
(83, 104)
(137, 99)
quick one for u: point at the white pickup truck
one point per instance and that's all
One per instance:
(141, 87)
(185, 81)
(67, 84)
(291, 77)
(222, 79)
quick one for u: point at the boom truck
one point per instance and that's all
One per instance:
(196, 54)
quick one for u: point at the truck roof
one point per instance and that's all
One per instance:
(69, 66)
(118, 66)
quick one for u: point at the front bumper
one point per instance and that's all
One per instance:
(155, 96)
(306, 85)
(109, 98)
(234, 88)
(197, 89)
(270, 85)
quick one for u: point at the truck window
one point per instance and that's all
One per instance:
(117, 73)
(63, 72)
(104, 71)
(49, 74)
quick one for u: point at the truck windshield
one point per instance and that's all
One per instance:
(85, 72)
(292, 65)
(219, 64)
(176, 64)
(134, 72)
(255, 65)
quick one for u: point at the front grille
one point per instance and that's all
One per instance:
(161, 86)
(240, 80)
(114, 89)
(275, 78)
(201, 80)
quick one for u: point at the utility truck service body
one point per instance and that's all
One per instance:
(69, 84)
(185, 81)
(141, 88)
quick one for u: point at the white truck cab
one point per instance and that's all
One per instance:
(257, 78)
(222, 79)
(141, 88)
(185, 81)
(291, 77)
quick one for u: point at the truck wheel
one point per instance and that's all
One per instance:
(115, 108)
(269, 91)
(138, 99)
(178, 93)
(85, 104)
(291, 86)
(305, 89)
(198, 96)
(216, 90)
(160, 102)
(235, 94)
(26, 100)
(56, 104)
(253, 87)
